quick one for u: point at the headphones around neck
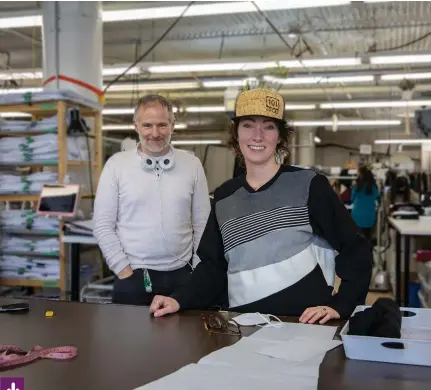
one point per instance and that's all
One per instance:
(150, 163)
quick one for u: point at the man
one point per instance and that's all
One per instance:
(151, 208)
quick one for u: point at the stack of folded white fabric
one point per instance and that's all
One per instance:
(46, 124)
(40, 245)
(40, 149)
(27, 219)
(17, 267)
(26, 184)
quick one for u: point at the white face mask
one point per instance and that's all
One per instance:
(257, 319)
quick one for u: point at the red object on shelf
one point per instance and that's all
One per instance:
(423, 255)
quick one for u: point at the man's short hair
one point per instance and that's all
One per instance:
(151, 99)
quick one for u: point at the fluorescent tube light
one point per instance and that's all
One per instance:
(322, 62)
(118, 111)
(20, 90)
(196, 142)
(211, 67)
(227, 83)
(407, 76)
(154, 86)
(320, 80)
(404, 59)
(317, 140)
(384, 122)
(300, 107)
(206, 109)
(115, 71)
(20, 75)
(21, 21)
(14, 115)
(212, 9)
(118, 127)
(402, 141)
(178, 126)
(376, 104)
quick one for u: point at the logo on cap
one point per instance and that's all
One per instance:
(272, 105)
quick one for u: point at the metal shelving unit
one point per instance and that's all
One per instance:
(39, 110)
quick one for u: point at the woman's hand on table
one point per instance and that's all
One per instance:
(322, 313)
(163, 305)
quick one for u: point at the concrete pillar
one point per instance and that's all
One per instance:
(426, 157)
(306, 146)
(73, 47)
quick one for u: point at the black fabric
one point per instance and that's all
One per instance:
(383, 319)
(131, 290)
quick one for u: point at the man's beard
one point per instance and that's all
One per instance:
(164, 143)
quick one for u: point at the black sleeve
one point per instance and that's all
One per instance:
(208, 285)
(353, 264)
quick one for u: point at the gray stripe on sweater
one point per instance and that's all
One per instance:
(272, 248)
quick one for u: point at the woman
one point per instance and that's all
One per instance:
(270, 240)
(364, 197)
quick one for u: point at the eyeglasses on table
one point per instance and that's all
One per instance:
(216, 324)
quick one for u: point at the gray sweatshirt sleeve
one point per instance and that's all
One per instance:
(105, 219)
(201, 208)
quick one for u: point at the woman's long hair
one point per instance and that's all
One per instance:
(366, 179)
(400, 186)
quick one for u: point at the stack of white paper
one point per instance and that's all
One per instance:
(270, 358)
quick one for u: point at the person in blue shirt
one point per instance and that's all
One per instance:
(364, 196)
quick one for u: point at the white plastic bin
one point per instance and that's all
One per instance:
(414, 346)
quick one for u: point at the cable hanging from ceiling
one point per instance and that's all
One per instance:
(153, 46)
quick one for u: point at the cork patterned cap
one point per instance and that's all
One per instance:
(261, 102)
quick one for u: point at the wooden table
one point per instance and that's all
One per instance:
(123, 347)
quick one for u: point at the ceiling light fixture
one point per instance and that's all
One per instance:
(402, 141)
(385, 122)
(212, 67)
(21, 21)
(376, 104)
(322, 62)
(228, 83)
(206, 109)
(320, 80)
(154, 86)
(20, 90)
(290, 107)
(400, 59)
(405, 76)
(178, 126)
(115, 71)
(317, 140)
(196, 142)
(118, 111)
(20, 75)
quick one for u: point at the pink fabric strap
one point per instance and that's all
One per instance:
(12, 355)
